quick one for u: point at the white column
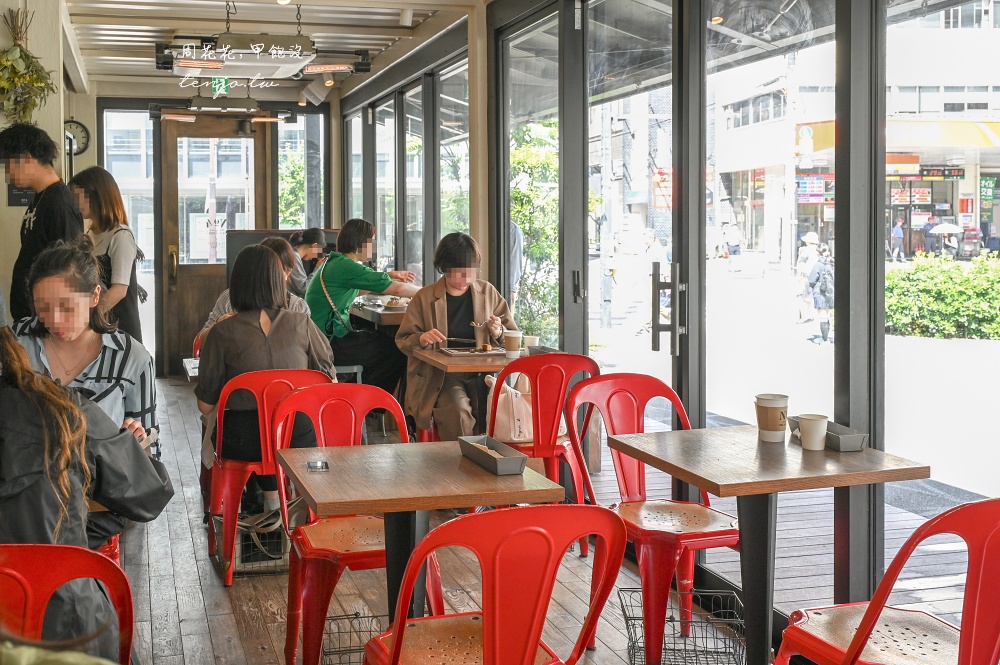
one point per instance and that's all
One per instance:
(479, 210)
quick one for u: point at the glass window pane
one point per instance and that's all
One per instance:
(414, 110)
(532, 100)
(356, 205)
(301, 173)
(128, 155)
(940, 171)
(453, 129)
(770, 229)
(385, 189)
(630, 217)
(208, 206)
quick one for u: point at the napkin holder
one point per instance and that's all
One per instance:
(510, 462)
(838, 437)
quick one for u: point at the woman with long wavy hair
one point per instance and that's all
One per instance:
(58, 449)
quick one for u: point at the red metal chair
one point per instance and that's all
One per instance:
(196, 346)
(873, 632)
(425, 435)
(549, 375)
(112, 550)
(324, 547)
(229, 477)
(666, 533)
(29, 574)
(519, 552)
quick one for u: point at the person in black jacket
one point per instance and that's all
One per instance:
(28, 155)
(56, 450)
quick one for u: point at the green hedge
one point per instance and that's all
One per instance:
(940, 297)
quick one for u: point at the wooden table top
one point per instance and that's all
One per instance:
(378, 316)
(410, 476)
(731, 461)
(474, 362)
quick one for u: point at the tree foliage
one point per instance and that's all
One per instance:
(292, 190)
(944, 298)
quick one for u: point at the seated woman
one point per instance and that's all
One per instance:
(224, 309)
(442, 310)
(114, 245)
(262, 334)
(308, 245)
(56, 450)
(70, 340)
(338, 281)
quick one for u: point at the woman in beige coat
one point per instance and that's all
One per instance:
(444, 312)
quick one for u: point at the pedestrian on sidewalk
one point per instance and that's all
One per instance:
(821, 281)
(808, 256)
(897, 242)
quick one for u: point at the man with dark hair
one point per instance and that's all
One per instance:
(28, 154)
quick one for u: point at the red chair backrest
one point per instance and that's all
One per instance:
(622, 400)
(268, 386)
(29, 574)
(978, 524)
(520, 551)
(196, 346)
(337, 412)
(549, 375)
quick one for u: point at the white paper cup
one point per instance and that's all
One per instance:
(531, 340)
(772, 412)
(512, 343)
(812, 431)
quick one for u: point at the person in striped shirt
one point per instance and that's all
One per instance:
(70, 340)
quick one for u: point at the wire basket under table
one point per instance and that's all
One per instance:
(715, 637)
(346, 634)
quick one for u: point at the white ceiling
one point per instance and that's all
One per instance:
(116, 39)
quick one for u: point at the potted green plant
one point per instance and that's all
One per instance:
(24, 83)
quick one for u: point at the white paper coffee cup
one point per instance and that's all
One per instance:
(812, 431)
(512, 343)
(531, 340)
(772, 414)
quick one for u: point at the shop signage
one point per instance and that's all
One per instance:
(965, 204)
(896, 164)
(920, 195)
(900, 196)
(986, 186)
(954, 174)
(220, 86)
(931, 173)
(815, 188)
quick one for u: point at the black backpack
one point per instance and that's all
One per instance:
(826, 281)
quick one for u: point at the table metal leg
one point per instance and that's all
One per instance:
(402, 533)
(758, 518)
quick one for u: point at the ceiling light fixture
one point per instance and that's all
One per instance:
(328, 79)
(716, 20)
(178, 117)
(191, 63)
(329, 67)
(406, 17)
(283, 2)
(302, 97)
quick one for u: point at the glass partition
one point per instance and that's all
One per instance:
(530, 63)
(385, 186)
(453, 130)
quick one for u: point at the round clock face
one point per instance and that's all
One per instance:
(80, 133)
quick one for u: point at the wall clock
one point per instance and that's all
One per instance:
(80, 133)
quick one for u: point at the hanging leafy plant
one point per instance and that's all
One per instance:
(24, 83)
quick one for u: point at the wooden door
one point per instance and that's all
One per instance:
(213, 179)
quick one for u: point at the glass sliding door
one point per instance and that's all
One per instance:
(385, 186)
(770, 228)
(301, 176)
(453, 130)
(630, 217)
(414, 210)
(530, 62)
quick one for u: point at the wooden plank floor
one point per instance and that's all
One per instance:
(184, 614)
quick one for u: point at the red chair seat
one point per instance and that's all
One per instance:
(112, 550)
(434, 641)
(353, 533)
(690, 522)
(874, 633)
(901, 637)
